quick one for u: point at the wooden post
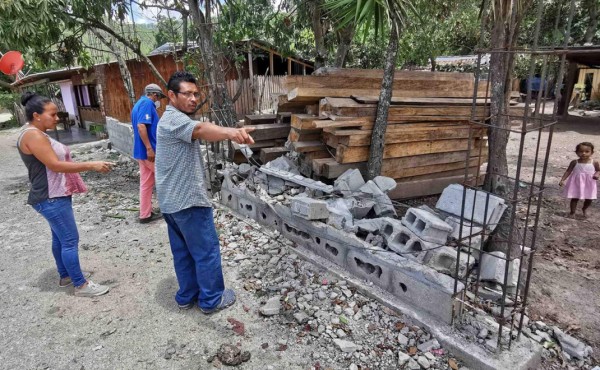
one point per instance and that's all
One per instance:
(271, 62)
(304, 69)
(250, 64)
(251, 76)
(289, 66)
(565, 99)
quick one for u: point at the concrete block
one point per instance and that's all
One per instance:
(348, 182)
(444, 260)
(359, 207)
(332, 250)
(383, 204)
(371, 226)
(308, 208)
(267, 217)
(404, 242)
(339, 215)
(475, 205)
(427, 226)
(368, 266)
(470, 236)
(385, 183)
(229, 199)
(492, 268)
(424, 288)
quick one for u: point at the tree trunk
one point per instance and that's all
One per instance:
(123, 70)
(222, 106)
(345, 37)
(593, 22)
(316, 16)
(184, 33)
(383, 107)
(6, 85)
(433, 64)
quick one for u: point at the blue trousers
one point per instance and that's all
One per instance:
(196, 256)
(65, 237)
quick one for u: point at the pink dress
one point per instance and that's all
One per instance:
(581, 183)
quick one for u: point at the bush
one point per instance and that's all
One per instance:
(7, 100)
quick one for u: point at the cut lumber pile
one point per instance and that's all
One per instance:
(429, 135)
(270, 134)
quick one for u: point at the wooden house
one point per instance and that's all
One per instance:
(90, 95)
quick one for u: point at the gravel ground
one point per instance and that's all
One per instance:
(138, 325)
(289, 313)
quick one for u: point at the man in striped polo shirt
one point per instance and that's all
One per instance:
(183, 198)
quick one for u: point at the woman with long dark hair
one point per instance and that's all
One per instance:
(54, 179)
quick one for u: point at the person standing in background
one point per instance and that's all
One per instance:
(144, 119)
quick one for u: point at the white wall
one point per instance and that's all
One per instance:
(68, 97)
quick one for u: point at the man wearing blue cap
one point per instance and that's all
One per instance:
(144, 119)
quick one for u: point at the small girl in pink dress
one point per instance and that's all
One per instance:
(581, 177)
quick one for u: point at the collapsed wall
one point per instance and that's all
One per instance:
(420, 285)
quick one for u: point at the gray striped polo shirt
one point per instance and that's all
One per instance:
(179, 167)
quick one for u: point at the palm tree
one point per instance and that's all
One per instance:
(377, 14)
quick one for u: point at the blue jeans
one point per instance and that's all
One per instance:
(65, 237)
(196, 256)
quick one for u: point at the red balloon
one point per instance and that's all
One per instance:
(11, 63)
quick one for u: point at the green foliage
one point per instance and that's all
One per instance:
(455, 30)
(52, 33)
(7, 100)
(168, 30)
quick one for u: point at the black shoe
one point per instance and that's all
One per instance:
(153, 217)
(186, 306)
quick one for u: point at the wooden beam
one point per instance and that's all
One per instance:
(269, 131)
(268, 154)
(303, 121)
(422, 188)
(305, 135)
(331, 169)
(424, 101)
(398, 74)
(308, 146)
(350, 154)
(289, 67)
(258, 119)
(271, 63)
(363, 137)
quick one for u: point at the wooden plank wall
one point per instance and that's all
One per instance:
(116, 103)
(257, 94)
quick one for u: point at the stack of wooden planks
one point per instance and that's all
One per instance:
(270, 134)
(429, 126)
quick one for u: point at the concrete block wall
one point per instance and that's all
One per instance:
(414, 283)
(426, 225)
(120, 135)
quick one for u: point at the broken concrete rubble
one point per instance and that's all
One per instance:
(339, 215)
(480, 206)
(383, 204)
(298, 179)
(492, 268)
(414, 283)
(426, 225)
(574, 347)
(470, 235)
(348, 182)
(385, 183)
